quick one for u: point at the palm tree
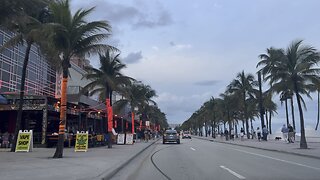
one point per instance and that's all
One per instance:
(270, 107)
(284, 97)
(17, 11)
(29, 27)
(296, 70)
(244, 87)
(137, 95)
(318, 108)
(74, 36)
(105, 80)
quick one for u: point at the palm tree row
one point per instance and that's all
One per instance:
(60, 35)
(290, 72)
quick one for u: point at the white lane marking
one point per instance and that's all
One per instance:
(233, 173)
(289, 162)
(193, 149)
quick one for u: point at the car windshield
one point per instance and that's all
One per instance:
(160, 89)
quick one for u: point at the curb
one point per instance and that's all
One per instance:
(109, 175)
(274, 150)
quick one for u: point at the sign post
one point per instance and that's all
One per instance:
(129, 138)
(81, 141)
(24, 141)
(120, 139)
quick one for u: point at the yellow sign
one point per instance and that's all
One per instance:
(81, 141)
(24, 141)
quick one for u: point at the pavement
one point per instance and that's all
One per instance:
(96, 163)
(313, 150)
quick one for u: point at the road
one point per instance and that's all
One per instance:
(200, 159)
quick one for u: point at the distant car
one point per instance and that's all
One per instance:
(171, 136)
(186, 135)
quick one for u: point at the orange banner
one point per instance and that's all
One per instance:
(110, 115)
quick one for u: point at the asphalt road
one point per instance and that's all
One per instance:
(200, 159)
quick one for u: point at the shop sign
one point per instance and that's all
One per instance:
(81, 141)
(120, 139)
(129, 138)
(24, 141)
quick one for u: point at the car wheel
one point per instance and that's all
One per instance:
(178, 141)
(163, 142)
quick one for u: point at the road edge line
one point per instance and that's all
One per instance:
(108, 175)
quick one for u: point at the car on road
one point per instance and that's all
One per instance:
(171, 136)
(185, 135)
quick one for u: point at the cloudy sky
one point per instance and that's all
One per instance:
(190, 50)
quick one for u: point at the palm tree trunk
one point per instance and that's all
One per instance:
(270, 129)
(236, 129)
(63, 114)
(318, 116)
(303, 141)
(23, 79)
(287, 115)
(292, 112)
(247, 128)
(267, 119)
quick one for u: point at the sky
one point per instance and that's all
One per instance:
(189, 51)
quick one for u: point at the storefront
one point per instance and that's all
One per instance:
(41, 114)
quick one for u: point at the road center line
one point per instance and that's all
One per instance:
(192, 149)
(289, 162)
(233, 173)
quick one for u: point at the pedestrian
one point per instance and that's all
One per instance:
(285, 131)
(290, 133)
(146, 135)
(265, 133)
(259, 133)
(232, 134)
(241, 134)
(5, 140)
(226, 133)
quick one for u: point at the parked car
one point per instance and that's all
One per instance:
(171, 136)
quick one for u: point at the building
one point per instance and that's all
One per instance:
(40, 77)
(41, 101)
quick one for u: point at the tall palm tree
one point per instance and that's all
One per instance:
(137, 95)
(296, 70)
(14, 11)
(270, 108)
(284, 97)
(105, 80)
(244, 87)
(74, 36)
(29, 28)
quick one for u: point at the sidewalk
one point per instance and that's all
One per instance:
(313, 150)
(97, 163)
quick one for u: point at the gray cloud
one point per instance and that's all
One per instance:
(207, 83)
(133, 57)
(161, 19)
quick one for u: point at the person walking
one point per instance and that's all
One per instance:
(265, 133)
(226, 133)
(259, 133)
(285, 131)
(241, 134)
(232, 134)
(290, 133)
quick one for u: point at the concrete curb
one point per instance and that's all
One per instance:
(274, 150)
(111, 173)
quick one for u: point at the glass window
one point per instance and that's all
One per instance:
(5, 76)
(6, 66)
(1, 39)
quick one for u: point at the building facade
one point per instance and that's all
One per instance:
(40, 76)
